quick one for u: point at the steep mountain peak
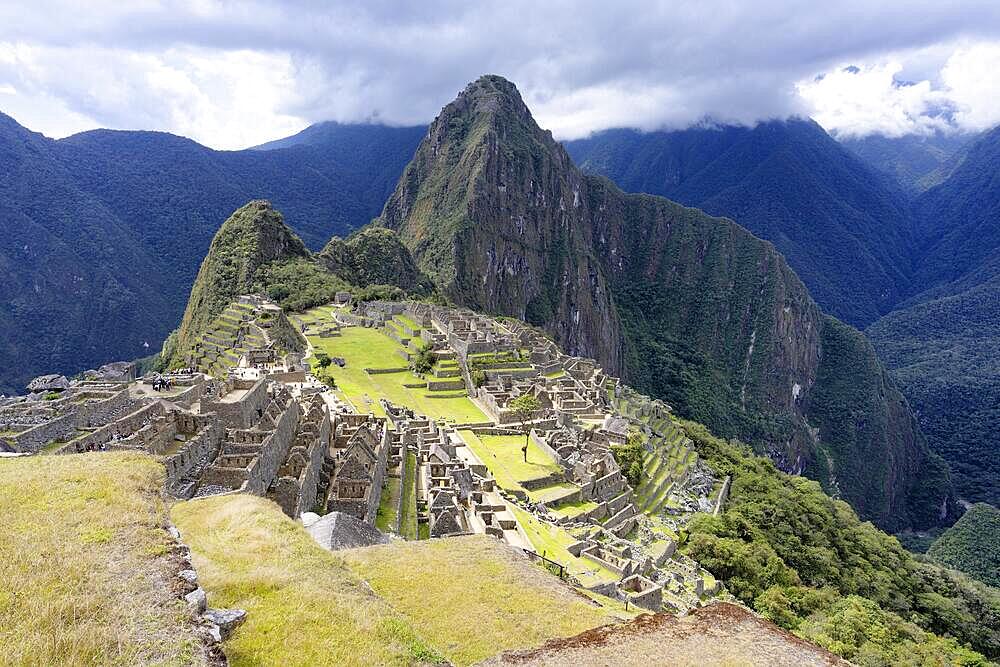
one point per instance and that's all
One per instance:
(254, 236)
(491, 94)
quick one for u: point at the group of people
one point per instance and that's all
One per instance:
(161, 383)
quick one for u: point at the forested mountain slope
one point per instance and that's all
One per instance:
(787, 182)
(688, 307)
(916, 162)
(941, 344)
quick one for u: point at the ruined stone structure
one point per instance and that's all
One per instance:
(261, 426)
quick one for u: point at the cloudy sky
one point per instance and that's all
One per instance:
(234, 74)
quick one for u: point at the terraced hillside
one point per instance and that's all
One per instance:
(246, 324)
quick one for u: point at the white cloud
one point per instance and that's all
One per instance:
(235, 74)
(971, 81)
(877, 98)
(226, 99)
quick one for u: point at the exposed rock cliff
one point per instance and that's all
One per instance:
(686, 306)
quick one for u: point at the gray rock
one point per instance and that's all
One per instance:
(337, 530)
(213, 633)
(189, 576)
(46, 383)
(226, 620)
(309, 518)
(197, 600)
(173, 532)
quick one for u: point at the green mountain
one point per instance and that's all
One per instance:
(940, 344)
(916, 162)
(255, 252)
(788, 182)
(106, 228)
(688, 307)
(253, 239)
(375, 256)
(972, 545)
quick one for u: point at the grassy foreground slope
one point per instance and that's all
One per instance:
(84, 558)
(456, 600)
(303, 606)
(472, 597)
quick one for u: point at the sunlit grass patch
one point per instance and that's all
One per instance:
(304, 607)
(472, 597)
(84, 578)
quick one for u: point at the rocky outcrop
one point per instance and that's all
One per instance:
(375, 256)
(687, 307)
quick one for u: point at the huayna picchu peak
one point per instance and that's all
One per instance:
(690, 308)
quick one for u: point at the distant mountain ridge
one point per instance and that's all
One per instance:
(788, 182)
(108, 227)
(917, 162)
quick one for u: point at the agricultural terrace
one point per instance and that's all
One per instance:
(503, 456)
(85, 558)
(363, 348)
(552, 542)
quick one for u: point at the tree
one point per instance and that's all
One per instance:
(524, 408)
(323, 359)
(424, 359)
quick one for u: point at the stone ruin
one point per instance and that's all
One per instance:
(251, 425)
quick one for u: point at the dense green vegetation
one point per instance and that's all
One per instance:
(630, 458)
(940, 344)
(808, 563)
(972, 545)
(916, 162)
(375, 256)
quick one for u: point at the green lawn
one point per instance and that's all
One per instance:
(385, 520)
(502, 455)
(369, 348)
(408, 522)
(575, 508)
(408, 322)
(551, 542)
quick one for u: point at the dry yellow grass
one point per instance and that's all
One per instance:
(83, 576)
(304, 607)
(472, 597)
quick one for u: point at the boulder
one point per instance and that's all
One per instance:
(46, 383)
(197, 600)
(337, 530)
(116, 371)
(227, 620)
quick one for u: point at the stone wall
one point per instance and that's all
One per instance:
(273, 452)
(244, 412)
